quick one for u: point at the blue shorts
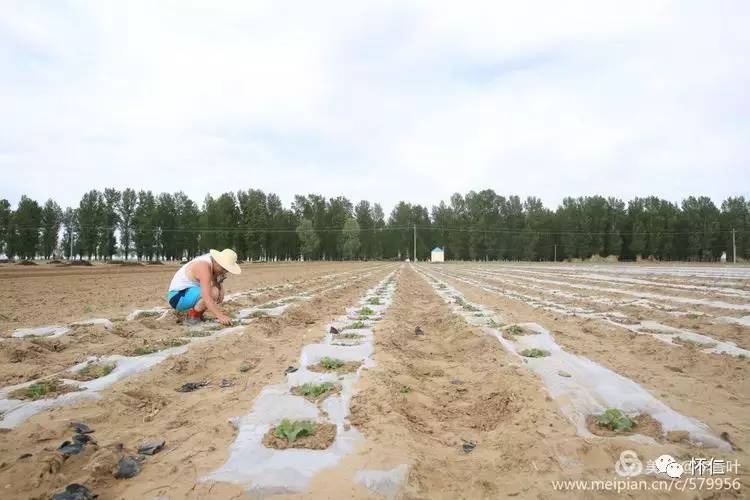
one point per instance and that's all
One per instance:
(182, 300)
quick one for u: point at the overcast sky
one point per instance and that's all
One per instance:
(382, 101)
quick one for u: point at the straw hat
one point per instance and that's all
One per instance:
(227, 259)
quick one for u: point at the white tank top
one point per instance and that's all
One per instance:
(181, 280)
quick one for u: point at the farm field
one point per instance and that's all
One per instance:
(418, 379)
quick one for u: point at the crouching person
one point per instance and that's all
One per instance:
(196, 286)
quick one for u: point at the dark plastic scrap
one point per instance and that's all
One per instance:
(75, 491)
(70, 448)
(191, 386)
(127, 467)
(151, 447)
(81, 428)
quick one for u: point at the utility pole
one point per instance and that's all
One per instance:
(71, 244)
(415, 243)
(734, 248)
(555, 252)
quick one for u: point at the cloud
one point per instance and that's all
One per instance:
(383, 101)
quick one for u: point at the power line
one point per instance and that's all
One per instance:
(388, 228)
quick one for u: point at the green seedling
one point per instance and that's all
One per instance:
(291, 430)
(405, 389)
(493, 324)
(479, 315)
(37, 391)
(96, 370)
(175, 342)
(315, 390)
(374, 301)
(145, 349)
(515, 330)
(199, 333)
(357, 325)
(469, 307)
(534, 353)
(42, 389)
(270, 305)
(331, 363)
(615, 420)
(349, 336)
(365, 311)
(87, 309)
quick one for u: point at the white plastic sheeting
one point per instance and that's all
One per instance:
(269, 471)
(385, 483)
(42, 331)
(655, 329)
(591, 388)
(15, 411)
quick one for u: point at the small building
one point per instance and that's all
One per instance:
(438, 255)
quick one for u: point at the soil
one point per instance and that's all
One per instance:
(145, 407)
(348, 367)
(322, 438)
(643, 424)
(425, 398)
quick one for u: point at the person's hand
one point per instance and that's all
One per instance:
(224, 319)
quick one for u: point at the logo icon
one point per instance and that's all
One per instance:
(629, 464)
(666, 464)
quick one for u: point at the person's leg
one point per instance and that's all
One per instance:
(216, 293)
(189, 298)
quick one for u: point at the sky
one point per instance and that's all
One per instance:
(384, 101)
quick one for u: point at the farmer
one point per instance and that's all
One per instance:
(196, 286)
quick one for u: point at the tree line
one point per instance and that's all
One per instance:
(480, 225)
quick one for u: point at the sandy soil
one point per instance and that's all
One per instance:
(712, 388)
(148, 407)
(428, 399)
(23, 359)
(47, 294)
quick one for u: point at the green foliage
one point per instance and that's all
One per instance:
(96, 370)
(145, 349)
(405, 389)
(615, 420)
(357, 325)
(258, 226)
(349, 239)
(349, 336)
(375, 301)
(291, 430)
(514, 330)
(315, 390)
(309, 239)
(37, 391)
(331, 363)
(365, 311)
(534, 353)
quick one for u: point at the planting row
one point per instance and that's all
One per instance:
(86, 379)
(595, 399)
(296, 429)
(660, 331)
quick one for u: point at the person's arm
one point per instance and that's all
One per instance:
(202, 272)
